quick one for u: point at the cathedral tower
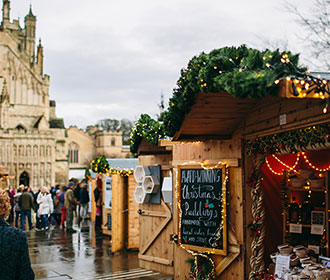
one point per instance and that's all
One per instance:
(30, 34)
(5, 14)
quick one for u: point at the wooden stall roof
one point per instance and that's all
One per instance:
(219, 115)
(146, 148)
(214, 116)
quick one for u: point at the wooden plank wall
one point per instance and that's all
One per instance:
(265, 117)
(133, 216)
(162, 247)
(93, 213)
(215, 151)
(119, 215)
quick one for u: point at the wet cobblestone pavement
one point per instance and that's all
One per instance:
(56, 254)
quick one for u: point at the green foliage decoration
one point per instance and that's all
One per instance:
(147, 128)
(243, 72)
(289, 140)
(100, 164)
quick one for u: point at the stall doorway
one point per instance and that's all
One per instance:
(24, 179)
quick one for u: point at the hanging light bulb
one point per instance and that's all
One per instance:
(295, 91)
(325, 108)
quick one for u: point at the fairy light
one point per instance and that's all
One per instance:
(272, 170)
(313, 166)
(287, 166)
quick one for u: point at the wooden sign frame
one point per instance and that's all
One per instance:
(215, 251)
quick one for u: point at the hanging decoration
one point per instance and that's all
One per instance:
(100, 165)
(202, 267)
(304, 139)
(313, 166)
(258, 216)
(284, 164)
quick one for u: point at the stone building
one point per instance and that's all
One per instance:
(85, 145)
(32, 138)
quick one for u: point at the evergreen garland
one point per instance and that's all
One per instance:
(100, 165)
(243, 72)
(289, 140)
(146, 128)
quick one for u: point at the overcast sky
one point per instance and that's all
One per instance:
(112, 59)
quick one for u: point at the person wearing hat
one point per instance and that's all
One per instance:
(70, 204)
(57, 209)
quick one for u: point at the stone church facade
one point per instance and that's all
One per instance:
(85, 145)
(32, 139)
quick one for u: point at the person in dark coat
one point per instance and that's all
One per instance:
(25, 202)
(98, 201)
(84, 200)
(14, 254)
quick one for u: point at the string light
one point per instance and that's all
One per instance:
(287, 166)
(284, 164)
(313, 166)
(272, 170)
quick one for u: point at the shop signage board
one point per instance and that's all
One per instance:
(108, 192)
(295, 228)
(282, 264)
(202, 209)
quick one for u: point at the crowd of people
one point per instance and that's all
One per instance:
(49, 207)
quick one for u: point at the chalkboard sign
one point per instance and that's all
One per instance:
(202, 201)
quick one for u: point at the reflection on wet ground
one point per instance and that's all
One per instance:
(86, 254)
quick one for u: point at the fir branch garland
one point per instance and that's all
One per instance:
(291, 141)
(100, 165)
(242, 72)
(146, 128)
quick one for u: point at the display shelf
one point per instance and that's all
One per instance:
(319, 202)
(307, 189)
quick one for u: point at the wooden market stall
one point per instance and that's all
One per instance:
(215, 133)
(119, 209)
(234, 111)
(156, 223)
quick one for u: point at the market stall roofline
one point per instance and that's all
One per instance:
(219, 115)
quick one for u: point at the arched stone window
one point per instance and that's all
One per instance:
(28, 150)
(73, 153)
(35, 150)
(113, 142)
(48, 151)
(14, 150)
(42, 150)
(21, 150)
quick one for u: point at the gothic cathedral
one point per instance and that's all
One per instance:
(32, 139)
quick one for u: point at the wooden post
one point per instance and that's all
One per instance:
(119, 213)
